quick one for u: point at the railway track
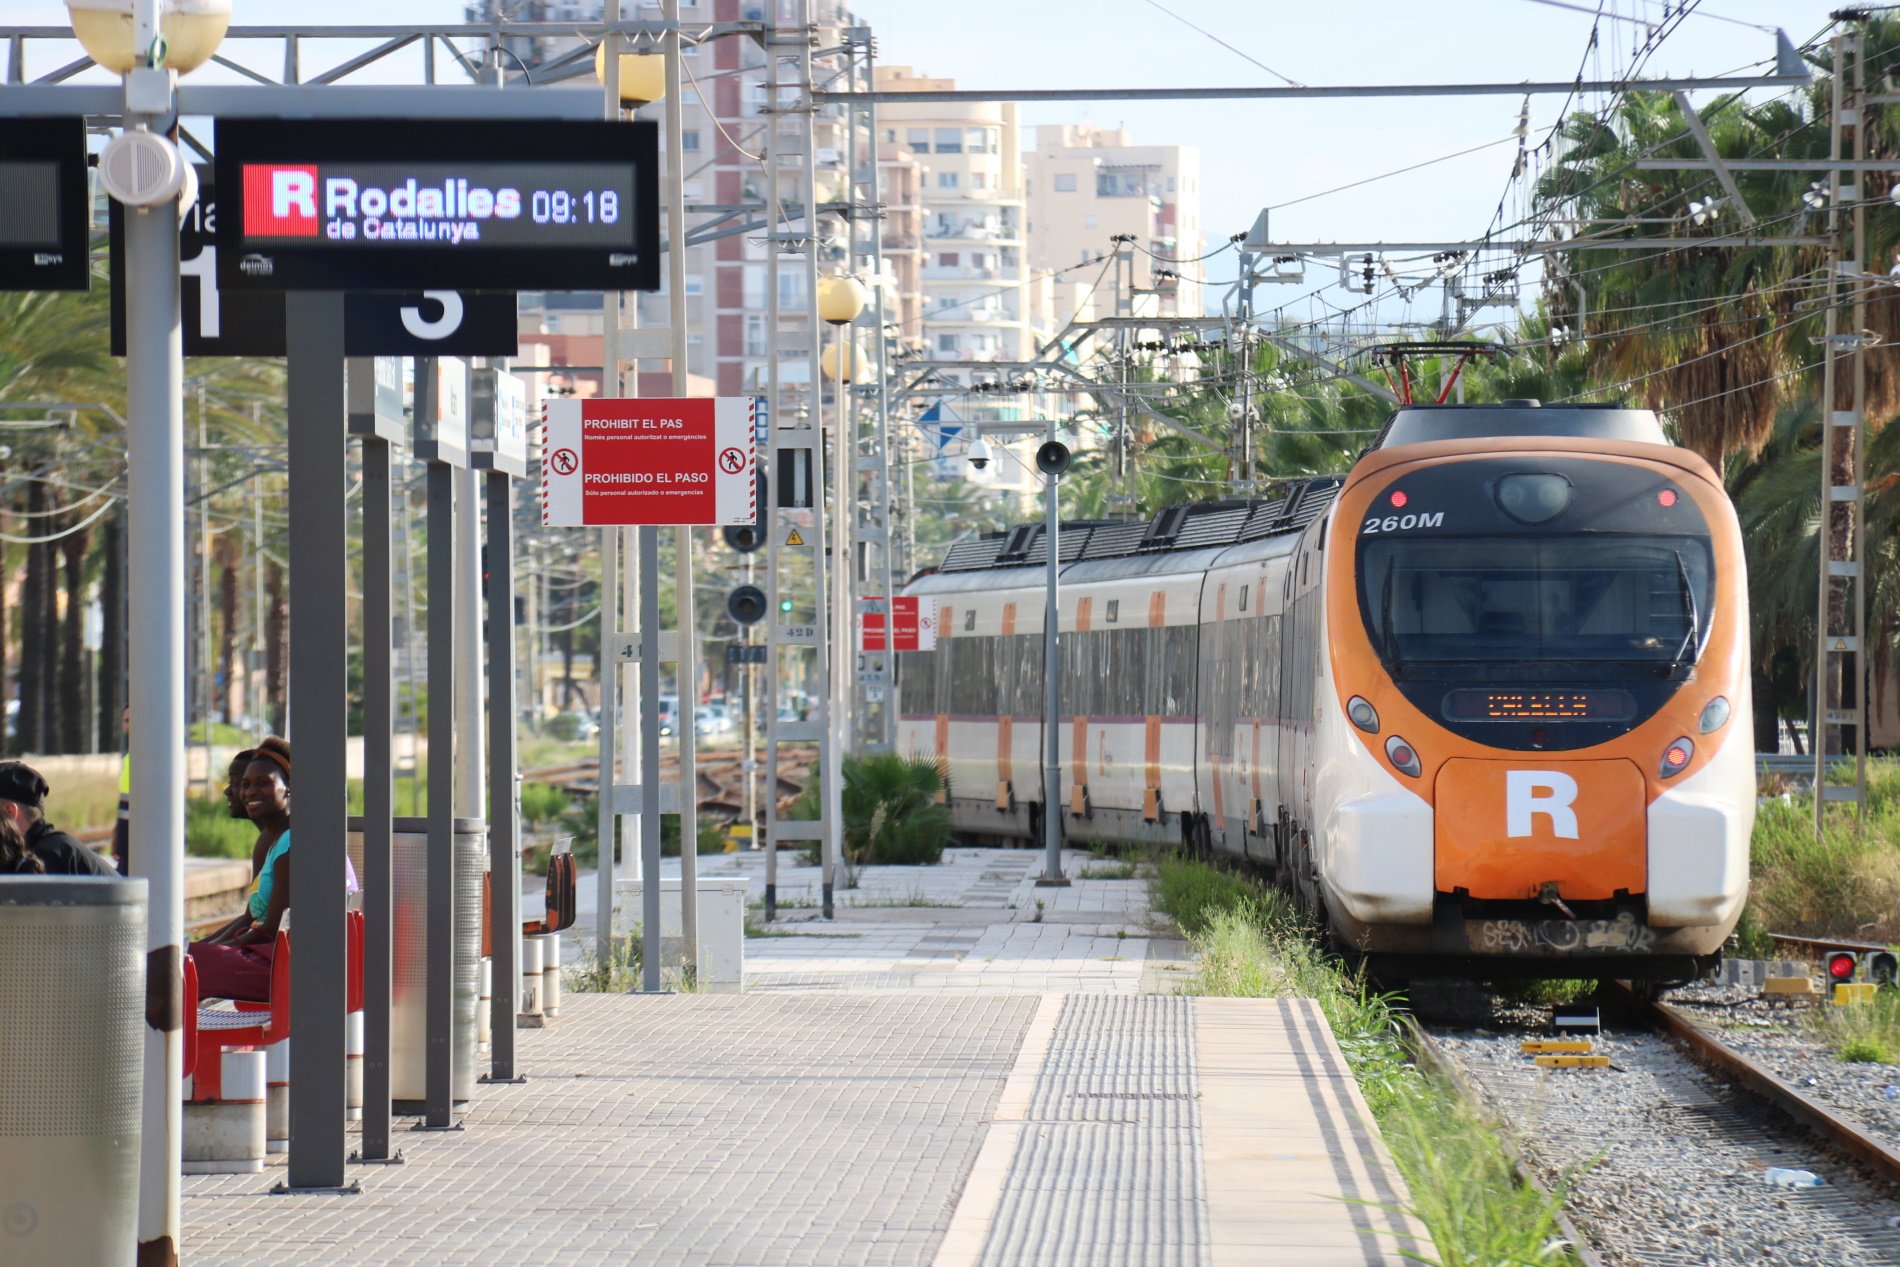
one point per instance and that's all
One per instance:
(1665, 1154)
(720, 776)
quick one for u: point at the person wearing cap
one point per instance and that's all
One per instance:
(235, 961)
(23, 801)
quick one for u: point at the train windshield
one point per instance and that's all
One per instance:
(1539, 599)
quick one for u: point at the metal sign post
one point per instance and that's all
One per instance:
(498, 438)
(445, 449)
(375, 414)
(319, 717)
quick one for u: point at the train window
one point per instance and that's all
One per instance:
(1303, 559)
(1114, 610)
(1539, 599)
(969, 619)
(1243, 598)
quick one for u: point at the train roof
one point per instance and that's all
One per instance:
(1190, 526)
(1422, 424)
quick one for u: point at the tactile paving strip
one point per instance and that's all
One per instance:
(1108, 1172)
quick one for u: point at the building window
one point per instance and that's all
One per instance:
(1091, 221)
(689, 140)
(946, 180)
(950, 259)
(890, 134)
(695, 284)
(949, 140)
(918, 139)
(978, 180)
(946, 343)
(1065, 182)
(754, 335)
(978, 140)
(1170, 184)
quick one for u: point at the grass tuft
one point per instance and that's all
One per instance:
(1252, 942)
(619, 973)
(1862, 1033)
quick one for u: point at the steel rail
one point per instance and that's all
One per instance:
(1713, 1054)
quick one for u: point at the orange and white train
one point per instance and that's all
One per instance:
(1482, 704)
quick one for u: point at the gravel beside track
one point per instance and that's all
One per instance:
(1664, 1162)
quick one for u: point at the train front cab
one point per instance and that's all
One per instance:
(1538, 758)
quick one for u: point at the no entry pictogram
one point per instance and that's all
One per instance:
(683, 462)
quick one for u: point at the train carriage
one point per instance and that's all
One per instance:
(1482, 705)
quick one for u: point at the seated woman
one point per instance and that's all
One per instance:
(15, 857)
(235, 962)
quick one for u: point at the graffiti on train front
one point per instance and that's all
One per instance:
(1622, 935)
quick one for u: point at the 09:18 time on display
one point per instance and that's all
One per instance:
(557, 206)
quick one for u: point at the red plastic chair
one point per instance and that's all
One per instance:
(209, 1031)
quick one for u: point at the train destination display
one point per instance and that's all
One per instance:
(386, 205)
(43, 205)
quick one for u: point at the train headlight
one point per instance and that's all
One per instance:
(1841, 965)
(1714, 714)
(1676, 757)
(1402, 756)
(1533, 499)
(1363, 714)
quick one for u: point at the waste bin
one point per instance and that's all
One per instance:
(409, 870)
(72, 1045)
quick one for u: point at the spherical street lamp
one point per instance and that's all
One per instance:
(844, 362)
(642, 75)
(840, 300)
(191, 31)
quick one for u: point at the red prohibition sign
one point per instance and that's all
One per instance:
(731, 461)
(566, 461)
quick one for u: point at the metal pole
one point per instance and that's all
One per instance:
(888, 586)
(155, 572)
(439, 925)
(504, 828)
(379, 804)
(606, 816)
(1052, 683)
(607, 712)
(318, 461)
(768, 515)
(650, 759)
(833, 627)
(686, 640)
(469, 740)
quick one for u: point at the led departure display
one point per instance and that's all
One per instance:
(43, 212)
(385, 205)
(1538, 705)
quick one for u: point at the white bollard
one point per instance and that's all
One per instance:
(550, 974)
(277, 1093)
(352, 1066)
(485, 1004)
(226, 1137)
(528, 1013)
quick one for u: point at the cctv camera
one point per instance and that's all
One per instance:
(979, 453)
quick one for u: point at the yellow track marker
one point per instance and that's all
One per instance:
(1787, 985)
(1557, 1047)
(1573, 1062)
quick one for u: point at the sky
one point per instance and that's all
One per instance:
(1257, 155)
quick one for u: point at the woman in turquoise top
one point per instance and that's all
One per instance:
(235, 962)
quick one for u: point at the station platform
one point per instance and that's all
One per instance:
(819, 1119)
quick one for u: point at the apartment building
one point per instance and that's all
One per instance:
(727, 275)
(1083, 185)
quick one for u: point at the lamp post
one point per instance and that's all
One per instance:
(840, 300)
(150, 43)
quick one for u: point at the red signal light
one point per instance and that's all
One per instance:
(1398, 497)
(1667, 497)
(1841, 965)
